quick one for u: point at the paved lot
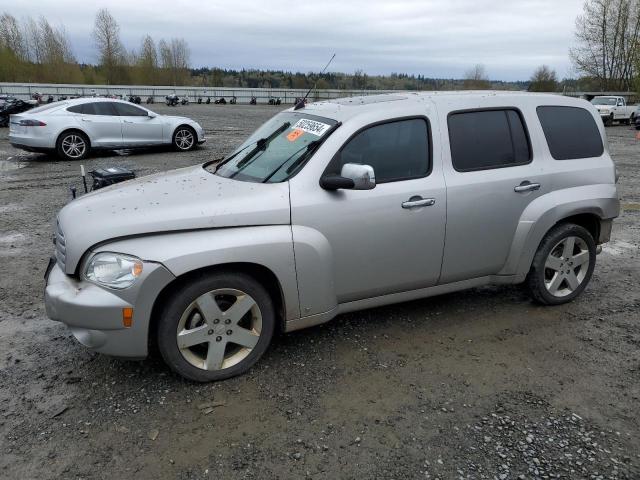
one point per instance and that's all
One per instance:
(478, 384)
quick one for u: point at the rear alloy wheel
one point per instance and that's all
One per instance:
(184, 139)
(72, 146)
(563, 265)
(216, 327)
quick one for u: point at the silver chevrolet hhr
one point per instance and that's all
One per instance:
(337, 206)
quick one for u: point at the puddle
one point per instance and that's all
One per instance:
(619, 247)
(10, 165)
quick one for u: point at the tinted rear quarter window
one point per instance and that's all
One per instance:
(486, 139)
(75, 108)
(571, 132)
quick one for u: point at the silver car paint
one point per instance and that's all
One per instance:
(104, 131)
(185, 199)
(335, 252)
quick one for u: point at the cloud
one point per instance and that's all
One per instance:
(435, 38)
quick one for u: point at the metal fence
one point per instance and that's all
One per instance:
(243, 95)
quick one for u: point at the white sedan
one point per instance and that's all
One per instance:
(72, 128)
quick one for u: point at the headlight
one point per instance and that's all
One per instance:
(113, 270)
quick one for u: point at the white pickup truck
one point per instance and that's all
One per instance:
(614, 109)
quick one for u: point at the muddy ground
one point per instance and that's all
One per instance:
(478, 384)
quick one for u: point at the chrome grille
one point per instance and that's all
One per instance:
(61, 247)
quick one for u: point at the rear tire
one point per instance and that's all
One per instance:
(562, 266)
(216, 327)
(184, 138)
(73, 145)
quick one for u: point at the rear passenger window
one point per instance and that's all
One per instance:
(571, 132)
(75, 108)
(397, 150)
(125, 110)
(481, 140)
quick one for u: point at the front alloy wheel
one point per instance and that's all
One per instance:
(219, 329)
(184, 139)
(216, 327)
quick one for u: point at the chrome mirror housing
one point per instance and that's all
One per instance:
(363, 176)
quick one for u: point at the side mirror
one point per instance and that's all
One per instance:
(352, 177)
(151, 115)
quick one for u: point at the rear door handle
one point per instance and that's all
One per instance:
(526, 186)
(86, 120)
(415, 202)
(128, 121)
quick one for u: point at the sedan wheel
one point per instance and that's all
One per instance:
(215, 327)
(184, 139)
(73, 146)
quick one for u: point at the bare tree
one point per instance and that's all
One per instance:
(175, 58)
(607, 35)
(12, 37)
(477, 79)
(111, 51)
(544, 79)
(147, 61)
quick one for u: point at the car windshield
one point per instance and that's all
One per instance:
(276, 150)
(604, 101)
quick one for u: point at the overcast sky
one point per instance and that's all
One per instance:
(435, 38)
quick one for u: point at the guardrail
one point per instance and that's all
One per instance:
(158, 93)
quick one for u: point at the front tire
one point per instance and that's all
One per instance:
(216, 327)
(73, 145)
(563, 265)
(184, 139)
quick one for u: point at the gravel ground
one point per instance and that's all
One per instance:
(477, 384)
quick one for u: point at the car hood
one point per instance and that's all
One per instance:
(186, 199)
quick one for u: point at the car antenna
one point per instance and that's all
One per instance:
(300, 104)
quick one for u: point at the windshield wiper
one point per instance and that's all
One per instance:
(311, 146)
(307, 147)
(261, 145)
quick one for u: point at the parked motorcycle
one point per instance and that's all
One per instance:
(199, 100)
(135, 99)
(233, 100)
(38, 97)
(172, 100)
(184, 101)
(253, 101)
(12, 106)
(275, 101)
(50, 99)
(150, 100)
(220, 101)
(208, 100)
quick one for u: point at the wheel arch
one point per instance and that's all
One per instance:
(183, 124)
(263, 275)
(72, 129)
(588, 207)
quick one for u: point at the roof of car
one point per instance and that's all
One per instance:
(345, 108)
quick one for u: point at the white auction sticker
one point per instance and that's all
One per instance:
(311, 126)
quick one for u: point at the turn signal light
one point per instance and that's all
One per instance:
(127, 317)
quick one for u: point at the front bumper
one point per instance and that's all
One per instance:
(94, 314)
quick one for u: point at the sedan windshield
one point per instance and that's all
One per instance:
(604, 101)
(277, 150)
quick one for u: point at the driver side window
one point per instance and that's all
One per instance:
(397, 150)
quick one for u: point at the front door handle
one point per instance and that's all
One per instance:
(86, 120)
(415, 202)
(128, 121)
(526, 186)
